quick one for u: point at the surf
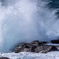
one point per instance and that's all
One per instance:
(25, 21)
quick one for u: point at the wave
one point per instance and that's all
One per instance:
(25, 21)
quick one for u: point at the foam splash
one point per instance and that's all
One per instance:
(25, 21)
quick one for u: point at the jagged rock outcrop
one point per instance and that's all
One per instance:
(36, 46)
(43, 48)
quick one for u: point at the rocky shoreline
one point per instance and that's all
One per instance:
(36, 47)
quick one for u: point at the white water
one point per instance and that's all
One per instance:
(25, 21)
(28, 55)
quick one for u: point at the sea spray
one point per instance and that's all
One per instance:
(25, 21)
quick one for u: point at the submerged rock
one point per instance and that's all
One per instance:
(55, 41)
(4, 58)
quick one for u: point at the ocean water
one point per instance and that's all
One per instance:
(24, 55)
(27, 20)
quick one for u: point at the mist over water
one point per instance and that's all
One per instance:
(25, 21)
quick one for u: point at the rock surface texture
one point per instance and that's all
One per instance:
(4, 58)
(36, 46)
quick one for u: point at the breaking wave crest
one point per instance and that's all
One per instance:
(25, 21)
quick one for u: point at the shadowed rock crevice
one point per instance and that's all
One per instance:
(54, 48)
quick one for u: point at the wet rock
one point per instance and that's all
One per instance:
(33, 48)
(43, 48)
(26, 48)
(23, 48)
(4, 58)
(34, 43)
(18, 49)
(37, 43)
(54, 48)
(57, 47)
(55, 41)
(36, 46)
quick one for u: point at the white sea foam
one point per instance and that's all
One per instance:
(25, 21)
(28, 55)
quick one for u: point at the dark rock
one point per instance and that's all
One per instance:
(37, 49)
(43, 48)
(57, 47)
(43, 42)
(36, 46)
(33, 48)
(18, 49)
(26, 48)
(4, 58)
(54, 48)
(23, 48)
(35, 43)
(55, 41)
